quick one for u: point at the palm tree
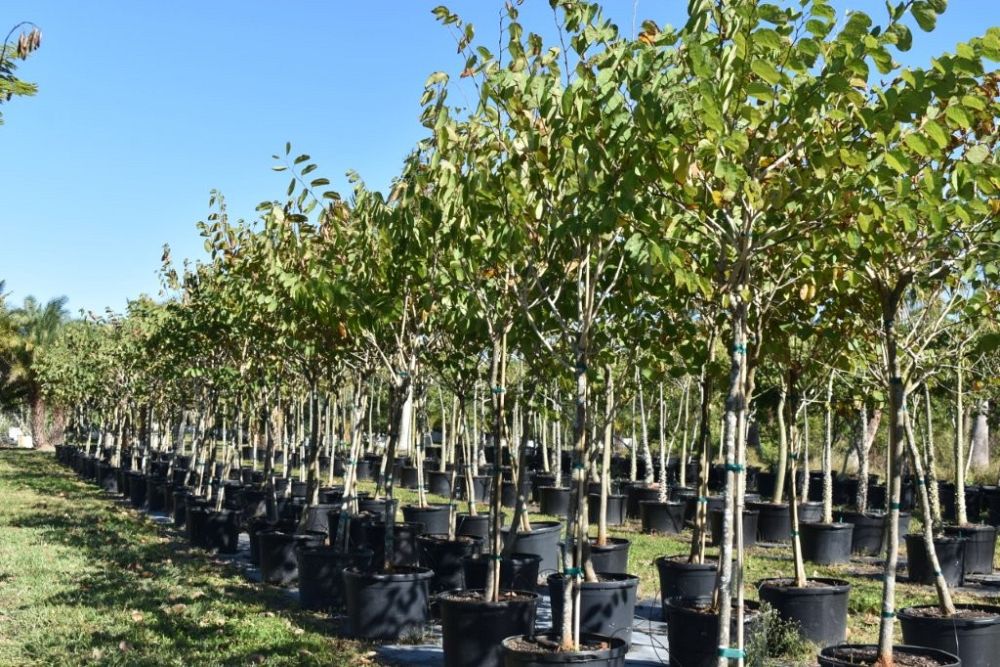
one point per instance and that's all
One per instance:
(31, 328)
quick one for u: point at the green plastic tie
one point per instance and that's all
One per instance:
(920, 481)
(492, 557)
(795, 533)
(732, 653)
(702, 499)
(894, 506)
(573, 572)
(739, 349)
(888, 614)
(735, 467)
(498, 390)
(579, 466)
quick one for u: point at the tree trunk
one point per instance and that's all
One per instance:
(609, 415)
(981, 436)
(37, 405)
(828, 455)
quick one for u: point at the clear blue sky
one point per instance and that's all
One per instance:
(144, 107)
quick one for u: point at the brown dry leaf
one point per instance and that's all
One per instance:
(137, 616)
(124, 646)
(298, 631)
(97, 654)
(178, 608)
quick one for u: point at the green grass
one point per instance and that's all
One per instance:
(83, 580)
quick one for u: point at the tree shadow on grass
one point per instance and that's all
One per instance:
(164, 602)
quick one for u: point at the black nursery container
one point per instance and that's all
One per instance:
(975, 638)
(950, 554)
(662, 518)
(607, 606)
(819, 611)
(473, 629)
(387, 605)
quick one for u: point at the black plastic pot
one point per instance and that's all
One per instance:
(519, 572)
(991, 500)
(156, 494)
(750, 522)
(445, 557)
(321, 568)
(387, 605)
(136, 488)
(481, 485)
(766, 481)
(257, 526)
(607, 606)
(278, 560)
(194, 524)
(693, 632)
(433, 518)
(810, 512)
(826, 543)
(404, 543)
(543, 540)
(439, 483)
(221, 531)
(853, 655)
(539, 480)
(615, 513)
(107, 477)
(950, 554)
(409, 479)
(521, 651)
(980, 546)
(553, 500)
(636, 493)
(662, 518)
(253, 503)
(472, 629)
(508, 493)
(317, 517)
(691, 506)
(372, 505)
(975, 640)
(683, 580)
(612, 557)
(774, 522)
(868, 528)
(819, 611)
(472, 526)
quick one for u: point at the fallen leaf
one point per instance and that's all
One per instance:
(137, 616)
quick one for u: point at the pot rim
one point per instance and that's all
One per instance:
(834, 586)
(900, 648)
(413, 573)
(973, 622)
(616, 646)
(619, 580)
(442, 598)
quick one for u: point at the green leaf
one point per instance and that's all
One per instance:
(977, 154)
(936, 132)
(959, 116)
(925, 15)
(766, 71)
(918, 144)
(898, 161)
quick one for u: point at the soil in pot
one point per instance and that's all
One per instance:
(544, 651)
(543, 540)
(616, 509)
(472, 628)
(611, 557)
(980, 546)
(819, 609)
(321, 571)
(661, 518)
(950, 554)
(444, 557)
(854, 655)
(387, 605)
(607, 606)
(684, 580)
(693, 632)
(434, 518)
(972, 633)
(826, 543)
(518, 572)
